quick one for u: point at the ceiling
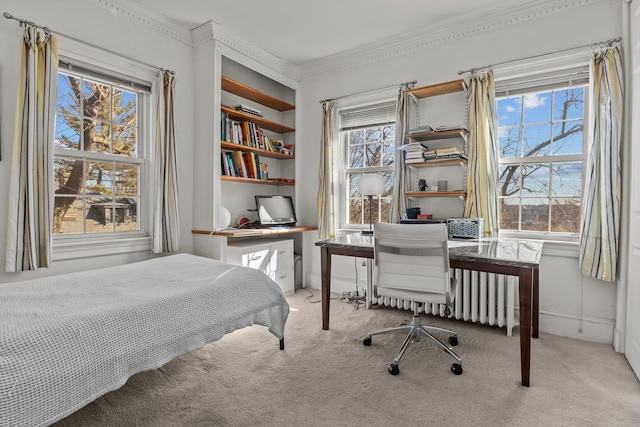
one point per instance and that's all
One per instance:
(302, 31)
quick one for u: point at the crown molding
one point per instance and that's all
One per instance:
(468, 25)
(465, 25)
(213, 31)
(147, 18)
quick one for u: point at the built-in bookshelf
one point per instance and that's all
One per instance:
(240, 86)
(246, 138)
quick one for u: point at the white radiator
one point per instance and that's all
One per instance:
(484, 298)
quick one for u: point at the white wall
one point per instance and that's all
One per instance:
(570, 305)
(111, 29)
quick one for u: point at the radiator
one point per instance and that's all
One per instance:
(484, 298)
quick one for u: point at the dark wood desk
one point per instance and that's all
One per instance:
(514, 257)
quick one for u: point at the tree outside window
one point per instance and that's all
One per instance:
(96, 157)
(541, 156)
(369, 150)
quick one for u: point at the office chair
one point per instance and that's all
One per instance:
(412, 263)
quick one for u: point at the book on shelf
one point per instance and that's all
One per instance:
(224, 165)
(242, 167)
(420, 129)
(444, 153)
(246, 109)
(251, 135)
(442, 128)
(231, 168)
(414, 152)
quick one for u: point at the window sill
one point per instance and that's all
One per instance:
(67, 248)
(556, 244)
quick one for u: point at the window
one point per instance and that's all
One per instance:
(541, 157)
(98, 153)
(367, 137)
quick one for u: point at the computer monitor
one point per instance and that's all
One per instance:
(275, 211)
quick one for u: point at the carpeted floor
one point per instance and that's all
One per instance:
(328, 378)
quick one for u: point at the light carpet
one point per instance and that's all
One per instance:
(329, 378)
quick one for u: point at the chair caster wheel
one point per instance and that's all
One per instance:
(453, 341)
(394, 369)
(456, 368)
(367, 341)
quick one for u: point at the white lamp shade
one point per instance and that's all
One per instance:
(225, 217)
(371, 184)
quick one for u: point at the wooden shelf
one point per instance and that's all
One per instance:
(264, 123)
(438, 89)
(252, 94)
(266, 153)
(253, 180)
(443, 162)
(458, 193)
(443, 134)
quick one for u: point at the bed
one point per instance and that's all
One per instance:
(68, 339)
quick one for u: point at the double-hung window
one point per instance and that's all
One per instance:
(100, 160)
(367, 142)
(542, 152)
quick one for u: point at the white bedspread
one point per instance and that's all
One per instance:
(68, 339)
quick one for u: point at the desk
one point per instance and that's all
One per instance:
(256, 232)
(514, 257)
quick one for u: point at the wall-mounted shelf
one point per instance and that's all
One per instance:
(438, 89)
(443, 134)
(266, 153)
(252, 94)
(443, 162)
(459, 193)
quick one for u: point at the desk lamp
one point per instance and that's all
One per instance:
(370, 185)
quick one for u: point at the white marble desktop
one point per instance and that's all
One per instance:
(504, 251)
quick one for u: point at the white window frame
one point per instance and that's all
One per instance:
(528, 74)
(341, 158)
(67, 247)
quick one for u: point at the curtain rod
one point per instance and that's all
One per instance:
(599, 45)
(49, 30)
(413, 82)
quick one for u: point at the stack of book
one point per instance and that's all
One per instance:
(414, 152)
(444, 153)
(421, 129)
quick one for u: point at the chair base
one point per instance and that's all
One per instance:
(414, 332)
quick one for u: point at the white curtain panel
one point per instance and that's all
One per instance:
(599, 237)
(482, 196)
(326, 225)
(30, 188)
(398, 202)
(166, 225)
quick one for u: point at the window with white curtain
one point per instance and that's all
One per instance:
(542, 150)
(367, 145)
(102, 137)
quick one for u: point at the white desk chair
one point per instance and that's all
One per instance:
(412, 263)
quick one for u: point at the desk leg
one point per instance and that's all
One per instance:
(536, 303)
(525, 276)
(369, 283)
(325, 261)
